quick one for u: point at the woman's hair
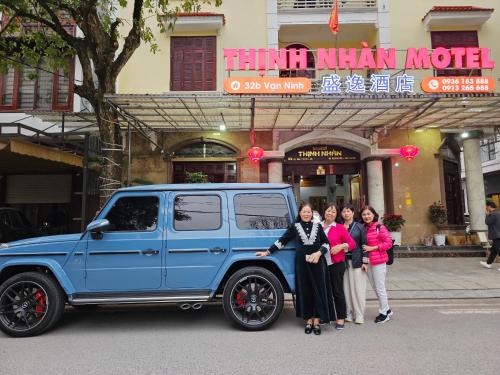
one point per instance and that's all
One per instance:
(332, 205)
(302, 205)
(348, 206)
(370, 208)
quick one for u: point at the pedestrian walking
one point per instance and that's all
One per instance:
(493, 223)
(340, 243)
(378, 242)
(314, 300)
(356, 268)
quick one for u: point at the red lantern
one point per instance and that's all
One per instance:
(255, 153)
(409, 152)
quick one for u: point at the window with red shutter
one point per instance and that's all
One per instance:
(30, 88)
(449, 39)
(193, 63)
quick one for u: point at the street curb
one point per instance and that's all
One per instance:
(435, 251)
(430, 294)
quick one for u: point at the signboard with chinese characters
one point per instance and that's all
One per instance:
(321, 154)
(378, 84)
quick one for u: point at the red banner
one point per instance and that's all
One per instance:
(334, 18)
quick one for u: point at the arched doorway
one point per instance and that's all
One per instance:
(215, 160)
(309, 73)
(323, 173)
(449, 153)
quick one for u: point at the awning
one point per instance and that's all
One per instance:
(17, 157)
(183, 111)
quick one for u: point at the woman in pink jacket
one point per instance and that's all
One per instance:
(378, 242)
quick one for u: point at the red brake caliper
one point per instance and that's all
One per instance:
(40, 303)
(240, 298)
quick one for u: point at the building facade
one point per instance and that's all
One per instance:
(177, 116)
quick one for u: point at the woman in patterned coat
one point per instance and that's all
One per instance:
(314, 301)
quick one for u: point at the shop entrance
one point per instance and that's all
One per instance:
(216, 161)
(323, 174)
(216, 172)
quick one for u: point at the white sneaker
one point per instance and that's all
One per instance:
(484, 264)
(348, 318)
(498, 270)
(359, 321)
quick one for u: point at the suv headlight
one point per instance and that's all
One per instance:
(4, 246)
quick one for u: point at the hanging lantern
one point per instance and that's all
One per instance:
(409, 152)
(255, 153)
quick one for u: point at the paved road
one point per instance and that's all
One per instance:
(425, 337)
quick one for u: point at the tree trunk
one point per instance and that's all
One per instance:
(111, 150)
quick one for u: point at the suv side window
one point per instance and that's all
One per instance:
(134, 214)
(197, 212)
(261, 211)
(4, 218)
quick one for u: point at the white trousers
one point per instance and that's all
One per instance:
(355, 291)
(376, 275)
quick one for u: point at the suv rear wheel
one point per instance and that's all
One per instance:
(30, 304)
(253, 298)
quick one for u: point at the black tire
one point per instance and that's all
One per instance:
(253, 298)
(30, 304)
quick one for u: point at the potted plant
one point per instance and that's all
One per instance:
(438, 216)
(196, 178)
(394, 222)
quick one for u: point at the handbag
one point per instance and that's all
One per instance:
(390, 252)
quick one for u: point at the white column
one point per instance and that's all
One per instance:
(375, 181)
(275, 171)
(474, 183)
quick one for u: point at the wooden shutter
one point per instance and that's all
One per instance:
(9, 89)
(193, 63)
(449, 39)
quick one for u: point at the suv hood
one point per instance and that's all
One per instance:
(47, 239)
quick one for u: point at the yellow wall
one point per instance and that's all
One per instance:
(417, 180)
(148, 73)
(407, 29)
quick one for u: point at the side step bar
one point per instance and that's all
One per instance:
(89, 299)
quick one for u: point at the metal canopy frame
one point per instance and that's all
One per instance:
(206, 111)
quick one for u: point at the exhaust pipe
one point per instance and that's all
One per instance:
(185, 306)
(197, 306)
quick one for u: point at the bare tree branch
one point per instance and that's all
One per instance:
(132, 41)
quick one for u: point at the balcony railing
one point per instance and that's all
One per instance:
(326, 4)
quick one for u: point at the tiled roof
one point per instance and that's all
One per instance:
(456, 8)
(203, 14)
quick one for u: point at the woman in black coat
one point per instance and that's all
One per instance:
(314, 301)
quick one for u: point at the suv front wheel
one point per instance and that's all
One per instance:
(30, 304)
(253, 298)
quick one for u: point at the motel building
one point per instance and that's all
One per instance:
(378, 113)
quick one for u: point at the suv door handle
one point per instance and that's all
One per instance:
(150, 252)
(217, 249)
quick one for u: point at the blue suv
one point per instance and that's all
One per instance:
(185, 244)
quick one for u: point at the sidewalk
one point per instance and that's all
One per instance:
(441, 278)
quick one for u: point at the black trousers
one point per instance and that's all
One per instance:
(494, 251)
(337, 271)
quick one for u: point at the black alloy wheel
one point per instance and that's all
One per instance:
(30, 303)
(253, 298)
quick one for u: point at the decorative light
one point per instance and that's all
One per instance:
(222, 127)
(409, 152)
(255, 153)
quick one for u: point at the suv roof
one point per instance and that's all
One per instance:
(207, 186)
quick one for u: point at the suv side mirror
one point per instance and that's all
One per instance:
(96, 228)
